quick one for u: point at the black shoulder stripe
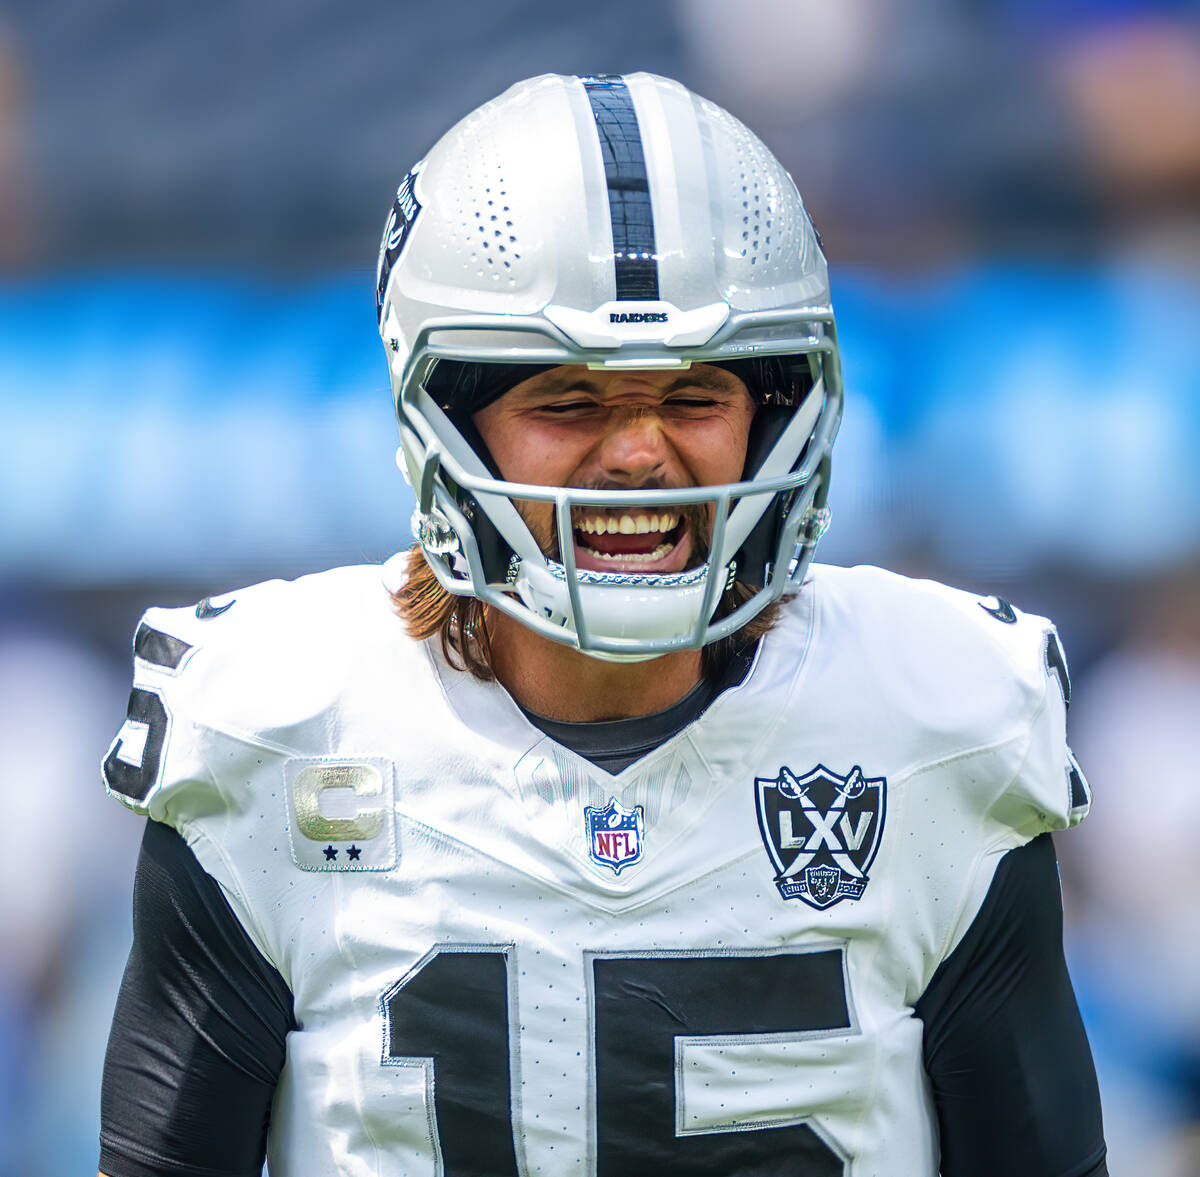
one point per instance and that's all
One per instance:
(161, 649)
(1003, 611)
(1081, 793)
(634, 255)
(1056, 665)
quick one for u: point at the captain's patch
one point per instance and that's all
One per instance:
(615, 835)
(822, 831)
(341, 814)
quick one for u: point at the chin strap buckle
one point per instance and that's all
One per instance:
(434, 532)
(813, 525)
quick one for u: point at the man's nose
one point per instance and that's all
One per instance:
(634, 448)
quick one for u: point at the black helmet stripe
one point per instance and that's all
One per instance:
(634, 257)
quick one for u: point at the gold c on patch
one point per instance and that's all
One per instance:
(341, 814)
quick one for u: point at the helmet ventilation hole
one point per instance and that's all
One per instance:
(486, 253)
(766, 236)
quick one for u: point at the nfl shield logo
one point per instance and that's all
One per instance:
(614, 835)
(822, 831)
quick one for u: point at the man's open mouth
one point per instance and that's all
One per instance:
(641, 541)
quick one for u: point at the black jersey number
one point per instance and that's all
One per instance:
(451, 1015)
(136, 780)
(146, 708)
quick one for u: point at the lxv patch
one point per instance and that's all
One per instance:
(822, 831)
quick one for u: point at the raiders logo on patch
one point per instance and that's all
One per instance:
(822, 831)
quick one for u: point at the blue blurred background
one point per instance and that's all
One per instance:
(194, 397)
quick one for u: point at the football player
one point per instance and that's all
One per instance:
(602, 832)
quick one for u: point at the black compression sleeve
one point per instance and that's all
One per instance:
(1007, 1055)
(197, 1040)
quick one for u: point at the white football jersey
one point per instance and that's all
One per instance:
(505, 960)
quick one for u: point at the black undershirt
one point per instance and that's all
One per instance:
(615, 744)
(197, 1042)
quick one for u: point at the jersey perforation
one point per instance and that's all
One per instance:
(609, 904)
(249, 739)
(697, 732)
(1021, 729)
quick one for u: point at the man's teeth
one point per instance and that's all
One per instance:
(635, 557)
(627, 524)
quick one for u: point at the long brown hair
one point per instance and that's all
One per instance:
(460, 622)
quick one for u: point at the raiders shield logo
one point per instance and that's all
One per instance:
(822, 831)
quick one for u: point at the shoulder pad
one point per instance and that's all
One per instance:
(261, 669)
(956, 672)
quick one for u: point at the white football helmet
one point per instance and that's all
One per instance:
(617, 222)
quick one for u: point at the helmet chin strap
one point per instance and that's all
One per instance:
(632, 606)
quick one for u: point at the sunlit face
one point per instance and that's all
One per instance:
(622, 430)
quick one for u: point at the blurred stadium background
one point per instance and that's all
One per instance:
(194, 397)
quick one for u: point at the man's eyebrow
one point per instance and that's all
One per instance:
(554, 385)
(712, 380)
